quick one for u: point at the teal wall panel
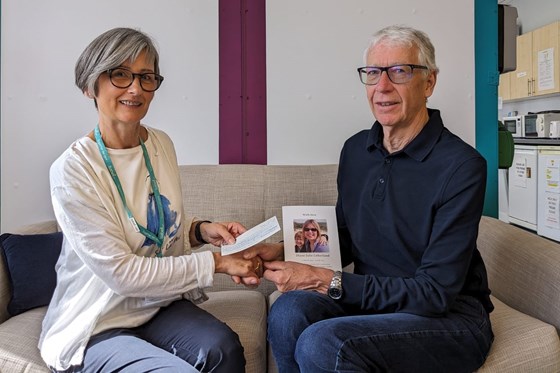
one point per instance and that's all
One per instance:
(486, 95)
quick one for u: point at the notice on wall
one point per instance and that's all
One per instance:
(552, 176)
(545, 77)
(520, 173)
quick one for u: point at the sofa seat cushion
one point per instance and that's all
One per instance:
(245, 311)
(521, 343)
(19, 337)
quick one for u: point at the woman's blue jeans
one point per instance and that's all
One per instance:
(309, 332)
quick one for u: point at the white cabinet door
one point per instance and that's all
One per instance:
(523, 187)
(548, 198)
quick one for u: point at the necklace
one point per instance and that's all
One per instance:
(157, 238)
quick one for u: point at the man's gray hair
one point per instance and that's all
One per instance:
(399, 35)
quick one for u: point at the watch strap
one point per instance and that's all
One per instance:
(197, 233)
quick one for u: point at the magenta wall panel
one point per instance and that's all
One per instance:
(242, 60)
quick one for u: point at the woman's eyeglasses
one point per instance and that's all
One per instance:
(310, 229)
(122, 78)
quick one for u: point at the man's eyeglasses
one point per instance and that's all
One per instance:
(310, 229)
(398, 74)
(122, 78)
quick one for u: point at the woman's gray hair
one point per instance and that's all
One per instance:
(399, 35)
(110, 50)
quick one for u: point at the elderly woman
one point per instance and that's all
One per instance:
(127, 282)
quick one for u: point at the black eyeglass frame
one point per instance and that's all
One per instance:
(386, 69)
(158, 77)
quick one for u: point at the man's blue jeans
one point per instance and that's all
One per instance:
(309, 332)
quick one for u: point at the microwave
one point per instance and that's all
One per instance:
(513, 125)
(531, 128)
(539, 122)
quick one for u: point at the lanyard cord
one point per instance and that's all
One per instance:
(137, 227)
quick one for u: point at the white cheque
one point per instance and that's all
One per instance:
(253, 236)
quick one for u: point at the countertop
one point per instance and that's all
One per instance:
(535, 141)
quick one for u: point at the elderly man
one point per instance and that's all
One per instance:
(410, 197)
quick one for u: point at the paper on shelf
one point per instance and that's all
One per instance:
(253, 236)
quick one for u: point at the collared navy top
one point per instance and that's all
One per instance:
(409, 221)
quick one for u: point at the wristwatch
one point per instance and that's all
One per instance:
(335, 288)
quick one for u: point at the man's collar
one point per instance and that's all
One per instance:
(420, 146)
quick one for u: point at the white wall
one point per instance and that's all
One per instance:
(534, 14)
(315, 99)
(43, 111)
(313, 49)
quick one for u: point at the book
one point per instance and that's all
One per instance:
(311, 236)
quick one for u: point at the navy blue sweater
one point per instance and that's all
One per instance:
(409, 221)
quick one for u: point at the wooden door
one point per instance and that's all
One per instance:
(521, 78)
(546, 71)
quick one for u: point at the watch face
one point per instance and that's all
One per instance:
(335, 293)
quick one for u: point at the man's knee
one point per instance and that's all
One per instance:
(317, 347)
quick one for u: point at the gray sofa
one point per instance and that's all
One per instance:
(524, 272)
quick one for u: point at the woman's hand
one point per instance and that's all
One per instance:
(223, 233)
(266, 251)
(236, 265)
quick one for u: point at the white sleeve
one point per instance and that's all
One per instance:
(99, 241)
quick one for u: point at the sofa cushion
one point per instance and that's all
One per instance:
(245, 311)
(30, 261)
(19, 337)
(521, 343)
(522, 269)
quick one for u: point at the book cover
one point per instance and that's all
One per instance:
(311, 236)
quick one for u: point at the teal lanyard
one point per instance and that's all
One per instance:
(137, 227)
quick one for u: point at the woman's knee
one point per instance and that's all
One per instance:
(226, 354)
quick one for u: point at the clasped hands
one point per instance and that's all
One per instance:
(263, 260)
(222, 233)
(285, 275)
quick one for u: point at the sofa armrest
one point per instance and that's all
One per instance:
(5, 291)
(523, 269)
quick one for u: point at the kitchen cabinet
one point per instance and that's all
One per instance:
(538, 68)
(546, 67)
(504, 86)
(521, 80)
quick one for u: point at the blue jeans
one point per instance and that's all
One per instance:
(179, 338)
(310, 332)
